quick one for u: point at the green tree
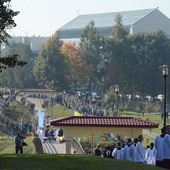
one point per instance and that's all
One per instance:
(119, 50)
(50, 67)
(149, 51)
(7, 22)
(17, 77)
(91, 47)
(119, 31)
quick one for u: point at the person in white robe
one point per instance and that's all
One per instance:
(150, 155)
(41, 134)
(118, 152)
(159, 146)
(56, 133)
(133, 150)
(140, 151)
(126, 151)
(166, 156)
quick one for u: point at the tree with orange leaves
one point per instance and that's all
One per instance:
(76, 66)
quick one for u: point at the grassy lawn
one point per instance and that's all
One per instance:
(7, 146)
(59, 111)
(66, 162)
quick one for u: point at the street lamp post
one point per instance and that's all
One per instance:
(89, 85)
(64, 103)
(117, 103)
(165, 74)
(102, 92)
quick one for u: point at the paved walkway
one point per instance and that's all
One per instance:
(50, 147)
(53, 147)
(37, 102)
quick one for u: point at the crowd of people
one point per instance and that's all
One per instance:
(11, 126)
(91, 104)
(85, 104)
(131, 151)
(50, 133)
(157, 153)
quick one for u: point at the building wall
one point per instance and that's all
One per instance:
(35, 42)
(156, 21)
(74, 131)
(71, 40)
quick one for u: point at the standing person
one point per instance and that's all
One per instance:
(140, 151)
(56, 133)
(38, 145)
(126, 152)
(150, 155)
(18, 143)
(159, 146)
(41, 134)
(60, 135)
(133, 150)
(97, 151)
(166, 156)
(118, 151)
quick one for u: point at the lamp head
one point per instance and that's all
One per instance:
(116, 88)
(165, 70)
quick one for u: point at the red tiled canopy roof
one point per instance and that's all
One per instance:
(103, 122)
(38, 90)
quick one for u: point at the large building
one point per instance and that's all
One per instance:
(137, 21)
(36, 42)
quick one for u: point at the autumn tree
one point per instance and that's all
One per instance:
(76, 66)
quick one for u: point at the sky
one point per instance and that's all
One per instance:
(44, 17)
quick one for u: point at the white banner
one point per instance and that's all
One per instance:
(40, 119)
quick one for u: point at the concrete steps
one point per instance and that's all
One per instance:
(53, 147)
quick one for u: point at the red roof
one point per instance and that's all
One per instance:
(38, 90)
(85, 121)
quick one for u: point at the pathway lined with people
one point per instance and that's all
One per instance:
(53, 147)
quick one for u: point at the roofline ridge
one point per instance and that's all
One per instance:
(116, 12)
(66, 23)
(38, 89)
(126, 117)
(81, 121)
(61, 118)
(102, 13)
(146, 120)
(154, 9)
